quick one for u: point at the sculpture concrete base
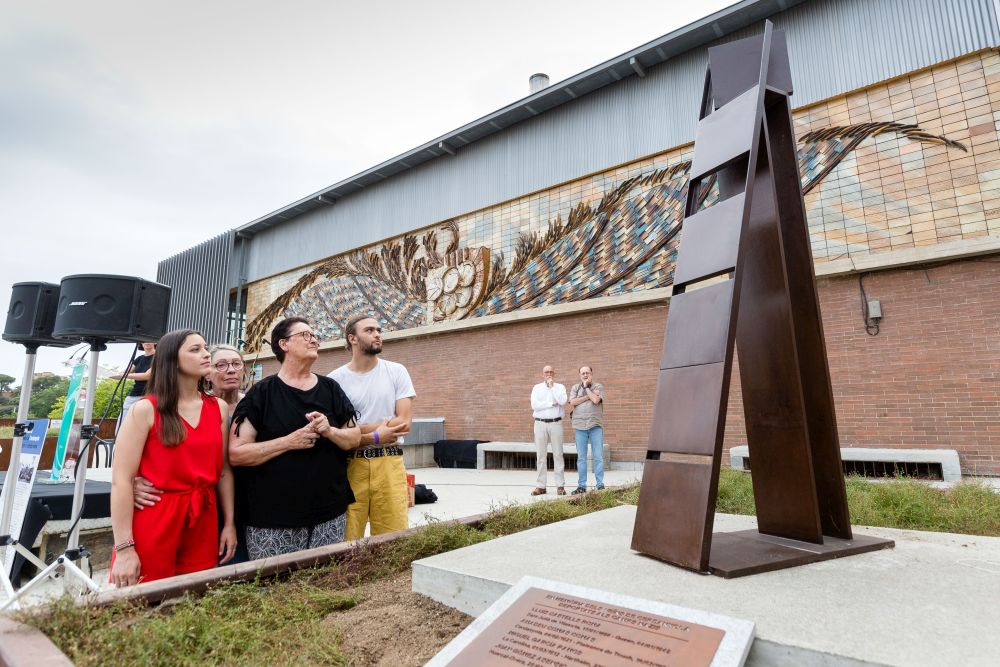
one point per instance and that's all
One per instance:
(929, 601)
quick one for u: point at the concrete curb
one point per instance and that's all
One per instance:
(24, 646)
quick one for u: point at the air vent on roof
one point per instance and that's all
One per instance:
(538, 82)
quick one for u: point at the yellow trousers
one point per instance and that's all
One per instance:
(380, 495)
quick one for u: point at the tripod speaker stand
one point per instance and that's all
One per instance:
(29, 323)
(74, 552)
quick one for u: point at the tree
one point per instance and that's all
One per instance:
(101, 399)
(46, 389)
(5, 382)
(43, 381)
(8, 405)
(43, 399)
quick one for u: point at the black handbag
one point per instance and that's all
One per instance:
(422, 495)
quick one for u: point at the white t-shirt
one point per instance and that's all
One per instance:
(374, 394)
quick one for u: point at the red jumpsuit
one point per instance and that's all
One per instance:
(181, 532)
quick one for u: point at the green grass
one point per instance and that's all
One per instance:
(968, 507)
(281, 621)
(735, 492)
(253, 623)
(514, 518)
(7, 432)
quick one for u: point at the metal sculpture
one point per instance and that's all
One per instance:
(744, 278)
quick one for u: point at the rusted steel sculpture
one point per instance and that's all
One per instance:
(744, 277)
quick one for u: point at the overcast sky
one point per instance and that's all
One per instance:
(130, 131)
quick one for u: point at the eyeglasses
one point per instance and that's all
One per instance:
(307, 336)
(224, 366)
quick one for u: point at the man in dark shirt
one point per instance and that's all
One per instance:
(138, 372)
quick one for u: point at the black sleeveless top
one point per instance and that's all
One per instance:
(302, 487)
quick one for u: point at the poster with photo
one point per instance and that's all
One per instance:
(26, 467)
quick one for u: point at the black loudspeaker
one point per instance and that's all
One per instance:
(111, 308)
(31, 315)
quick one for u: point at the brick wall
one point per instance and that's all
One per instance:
(928, 379)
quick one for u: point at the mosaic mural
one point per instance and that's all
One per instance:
(618, 234)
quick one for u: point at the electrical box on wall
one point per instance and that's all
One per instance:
(874, 309)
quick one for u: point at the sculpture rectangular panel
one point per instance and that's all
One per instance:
(710, 241)
(698, 331)
(682, 492)
(686, 409)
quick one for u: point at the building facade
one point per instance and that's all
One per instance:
(546, 233)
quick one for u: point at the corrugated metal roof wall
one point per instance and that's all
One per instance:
(198, 277)
(834, 45)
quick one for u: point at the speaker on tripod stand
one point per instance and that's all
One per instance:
(30, 317)
(97, 309)
(115, 309)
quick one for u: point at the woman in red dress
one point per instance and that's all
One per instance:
(177, 438)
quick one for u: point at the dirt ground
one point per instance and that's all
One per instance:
(395, 626)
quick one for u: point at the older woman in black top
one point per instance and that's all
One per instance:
(289, 435)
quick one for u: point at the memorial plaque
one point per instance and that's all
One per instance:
(545, 623)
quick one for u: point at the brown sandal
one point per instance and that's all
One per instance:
(539, 491)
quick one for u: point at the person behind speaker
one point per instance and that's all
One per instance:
(139, 373)
(290, 435)
(177, 438)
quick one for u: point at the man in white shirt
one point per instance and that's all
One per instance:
(382, 393)
(547, 400)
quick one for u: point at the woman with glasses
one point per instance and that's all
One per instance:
(226, 377)
(290, 435)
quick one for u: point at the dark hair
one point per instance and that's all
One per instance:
(586, 366)
(164, 386)
(280, 332)
(351, 328)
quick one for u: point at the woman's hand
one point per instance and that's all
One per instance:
(227, 543)
(304, 438)
(319, 422)
(125, 571)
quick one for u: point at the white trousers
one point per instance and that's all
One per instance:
(128, 403)
(549, 433)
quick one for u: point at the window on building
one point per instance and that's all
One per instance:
(236, 317)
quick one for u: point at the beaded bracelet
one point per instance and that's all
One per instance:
(127, 544)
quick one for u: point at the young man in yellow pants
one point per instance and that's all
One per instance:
(382, 393)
